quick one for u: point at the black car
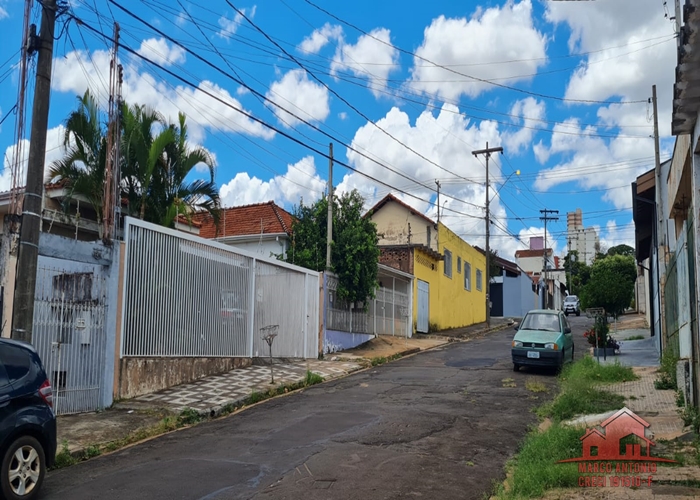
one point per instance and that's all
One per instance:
(27, 421)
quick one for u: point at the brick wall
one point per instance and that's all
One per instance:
(398, 258)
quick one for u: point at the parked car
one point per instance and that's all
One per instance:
(27, 421)
(572, 305)
(544, 339)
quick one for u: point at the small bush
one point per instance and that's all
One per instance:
(667, 371)
(312, 378)
(691, 416)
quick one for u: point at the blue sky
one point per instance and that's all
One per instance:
(562, 86)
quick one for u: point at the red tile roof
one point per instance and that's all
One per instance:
(266, 218)
(531, 253)
(391, 197)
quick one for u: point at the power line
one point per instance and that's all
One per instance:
(267, 125)
(408, 52)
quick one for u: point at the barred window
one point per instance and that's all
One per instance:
(467, 276)
(448, 263)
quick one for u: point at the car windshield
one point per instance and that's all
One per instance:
(541, 321)
(571, 298)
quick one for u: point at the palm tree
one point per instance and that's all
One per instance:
(82, 168)
(174, 195)
(143, 153)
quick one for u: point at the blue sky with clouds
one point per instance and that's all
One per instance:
(404, 90)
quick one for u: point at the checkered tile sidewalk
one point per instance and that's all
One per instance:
(658, 407)
(215, 391)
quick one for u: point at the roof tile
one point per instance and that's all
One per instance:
(259, 218)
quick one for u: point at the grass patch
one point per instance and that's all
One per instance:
(380, 360)
(168, 423)
(535, 386)
(636, 337)
(508, 382)
(535, 470)
(581, 391)
(667, 371)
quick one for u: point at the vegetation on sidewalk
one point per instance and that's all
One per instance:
(667, 371)
(170, 422)
(534, 470)
(581, 392)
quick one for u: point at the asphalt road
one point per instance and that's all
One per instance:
(440, 424)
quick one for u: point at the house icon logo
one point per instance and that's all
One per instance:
(622, 437)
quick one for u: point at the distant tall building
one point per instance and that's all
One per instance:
(585, 241)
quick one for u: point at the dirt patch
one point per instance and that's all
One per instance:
(632, 322)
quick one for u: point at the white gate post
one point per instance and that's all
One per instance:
(124, 284)
(251, 306)
(393, 307)
(306, 315)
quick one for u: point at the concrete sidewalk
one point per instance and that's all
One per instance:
(208, 396)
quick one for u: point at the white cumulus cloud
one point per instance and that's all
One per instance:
(313, 43)
(230, 26)
(161, 52)
(499, 43)
(528, 111)
(301, 96)
(300, 181)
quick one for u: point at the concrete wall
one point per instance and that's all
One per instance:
(395, 222)
(265, 247)
(518, 297)
(140, 376)
(334, 341)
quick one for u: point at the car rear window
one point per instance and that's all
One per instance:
(16, 360)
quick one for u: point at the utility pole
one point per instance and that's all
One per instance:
(329, 224)
(546, 218)
(438, 199)
(487, 153)
(111, 194)
(25, 284)
(660, 233)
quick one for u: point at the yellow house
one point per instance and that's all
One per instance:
(449, 289)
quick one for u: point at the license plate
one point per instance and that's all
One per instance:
(533, 354)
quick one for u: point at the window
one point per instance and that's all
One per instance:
(467, 276)
(478, 279)
(428, 232)
(448, 263)
(459, 265)
(16, 361)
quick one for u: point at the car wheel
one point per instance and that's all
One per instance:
(566, 313)
(516, 367)
(23, 469)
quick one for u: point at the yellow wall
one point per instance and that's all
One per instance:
(451, 305)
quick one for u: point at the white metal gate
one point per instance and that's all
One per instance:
(185, 296)
(423, 306)
(69, 335)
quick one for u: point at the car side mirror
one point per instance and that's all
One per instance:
(516, 327)
(567, 330)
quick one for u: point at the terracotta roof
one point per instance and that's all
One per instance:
(246, 220)
(183, 220)
(391, 197)
(531, 253)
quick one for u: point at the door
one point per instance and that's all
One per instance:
(423, 306)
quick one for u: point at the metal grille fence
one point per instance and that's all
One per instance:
(69, 335)
(189, 297)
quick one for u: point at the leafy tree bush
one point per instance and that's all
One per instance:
(611, 285)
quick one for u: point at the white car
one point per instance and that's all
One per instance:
(572, 305)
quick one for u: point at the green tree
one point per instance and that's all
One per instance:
(82, 168)
(494, 268)
(354, 252)
(611, 284)
(171, 194)
(577, 272)
(621, 250)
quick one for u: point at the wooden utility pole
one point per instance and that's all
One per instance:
(25, 283)
(329, 224)
(546, 218)
(660, 243)
(112, 195)
(487, 153)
